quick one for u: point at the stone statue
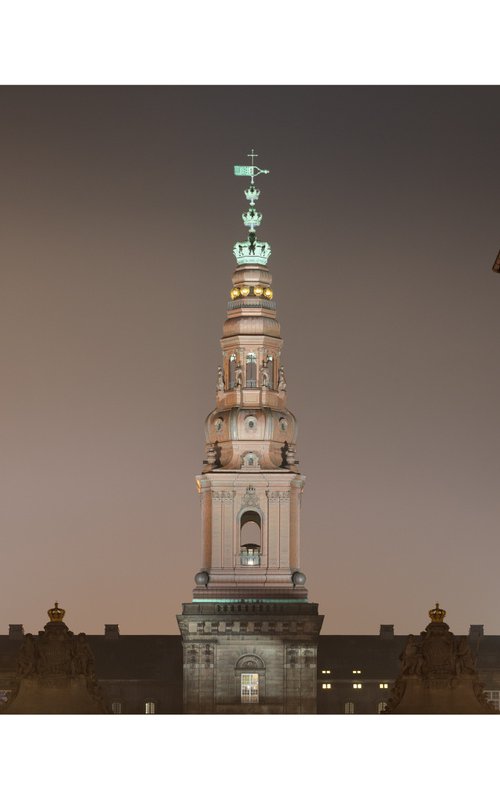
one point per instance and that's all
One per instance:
(464, 663)
(411, 657)
(238, 377)
(26, 664)
(83, 659)
(220, 379)
(211, 454)
(281, 380)
(291, 455)
(264, 373)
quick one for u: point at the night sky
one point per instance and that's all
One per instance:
(119, 211)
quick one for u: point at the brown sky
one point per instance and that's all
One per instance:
(118, 213)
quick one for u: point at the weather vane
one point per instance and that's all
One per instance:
(250, 171)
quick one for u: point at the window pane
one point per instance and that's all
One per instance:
(251, 375)
(249, 687)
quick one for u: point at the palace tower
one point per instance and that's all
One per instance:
(250, 635)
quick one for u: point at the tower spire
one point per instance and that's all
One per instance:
(250, 598)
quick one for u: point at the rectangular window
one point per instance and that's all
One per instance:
(149, 707)
(251, 371)
(250, 687)
(357, 686)
(494, 698)
(356, 672)
(349, 708)
(325, 671)
(383, 686)
(326, 685)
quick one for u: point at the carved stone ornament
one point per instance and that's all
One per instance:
(250, 499)
(438, 674)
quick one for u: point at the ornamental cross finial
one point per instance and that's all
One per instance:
(252, 155)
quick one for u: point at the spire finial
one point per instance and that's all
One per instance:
(251, 251)
(252, 155)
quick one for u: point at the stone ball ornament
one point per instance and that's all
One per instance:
(201, 578)
(298, 578)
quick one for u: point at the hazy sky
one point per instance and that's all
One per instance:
(118, 214)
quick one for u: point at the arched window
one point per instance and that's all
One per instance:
(349, 707)
(250, 675)
(250, 539)
(116, 707)
(232, 370)
(250, 528)
(149, 707)
(251, 373)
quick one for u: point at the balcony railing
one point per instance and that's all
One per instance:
(250, 557)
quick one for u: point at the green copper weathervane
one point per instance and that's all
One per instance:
(251, 251)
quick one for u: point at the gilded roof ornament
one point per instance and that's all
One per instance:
(437, 614)
(56, 614)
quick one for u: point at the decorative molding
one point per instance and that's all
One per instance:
(278, 497)
(224, 496)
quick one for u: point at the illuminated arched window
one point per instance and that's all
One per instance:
(250, 672)
(149, 707)
(349, 708)
(251, 374)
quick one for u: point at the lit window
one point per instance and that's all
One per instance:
(494, 698)
(325, 671)
(356, 672)
(4, 695)
(380, 708)
(249, 687)
(383, 686)
(149, 707)
(326, 686)
(357, 686)
(116, 708)
(251, 373)
(349, 708)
